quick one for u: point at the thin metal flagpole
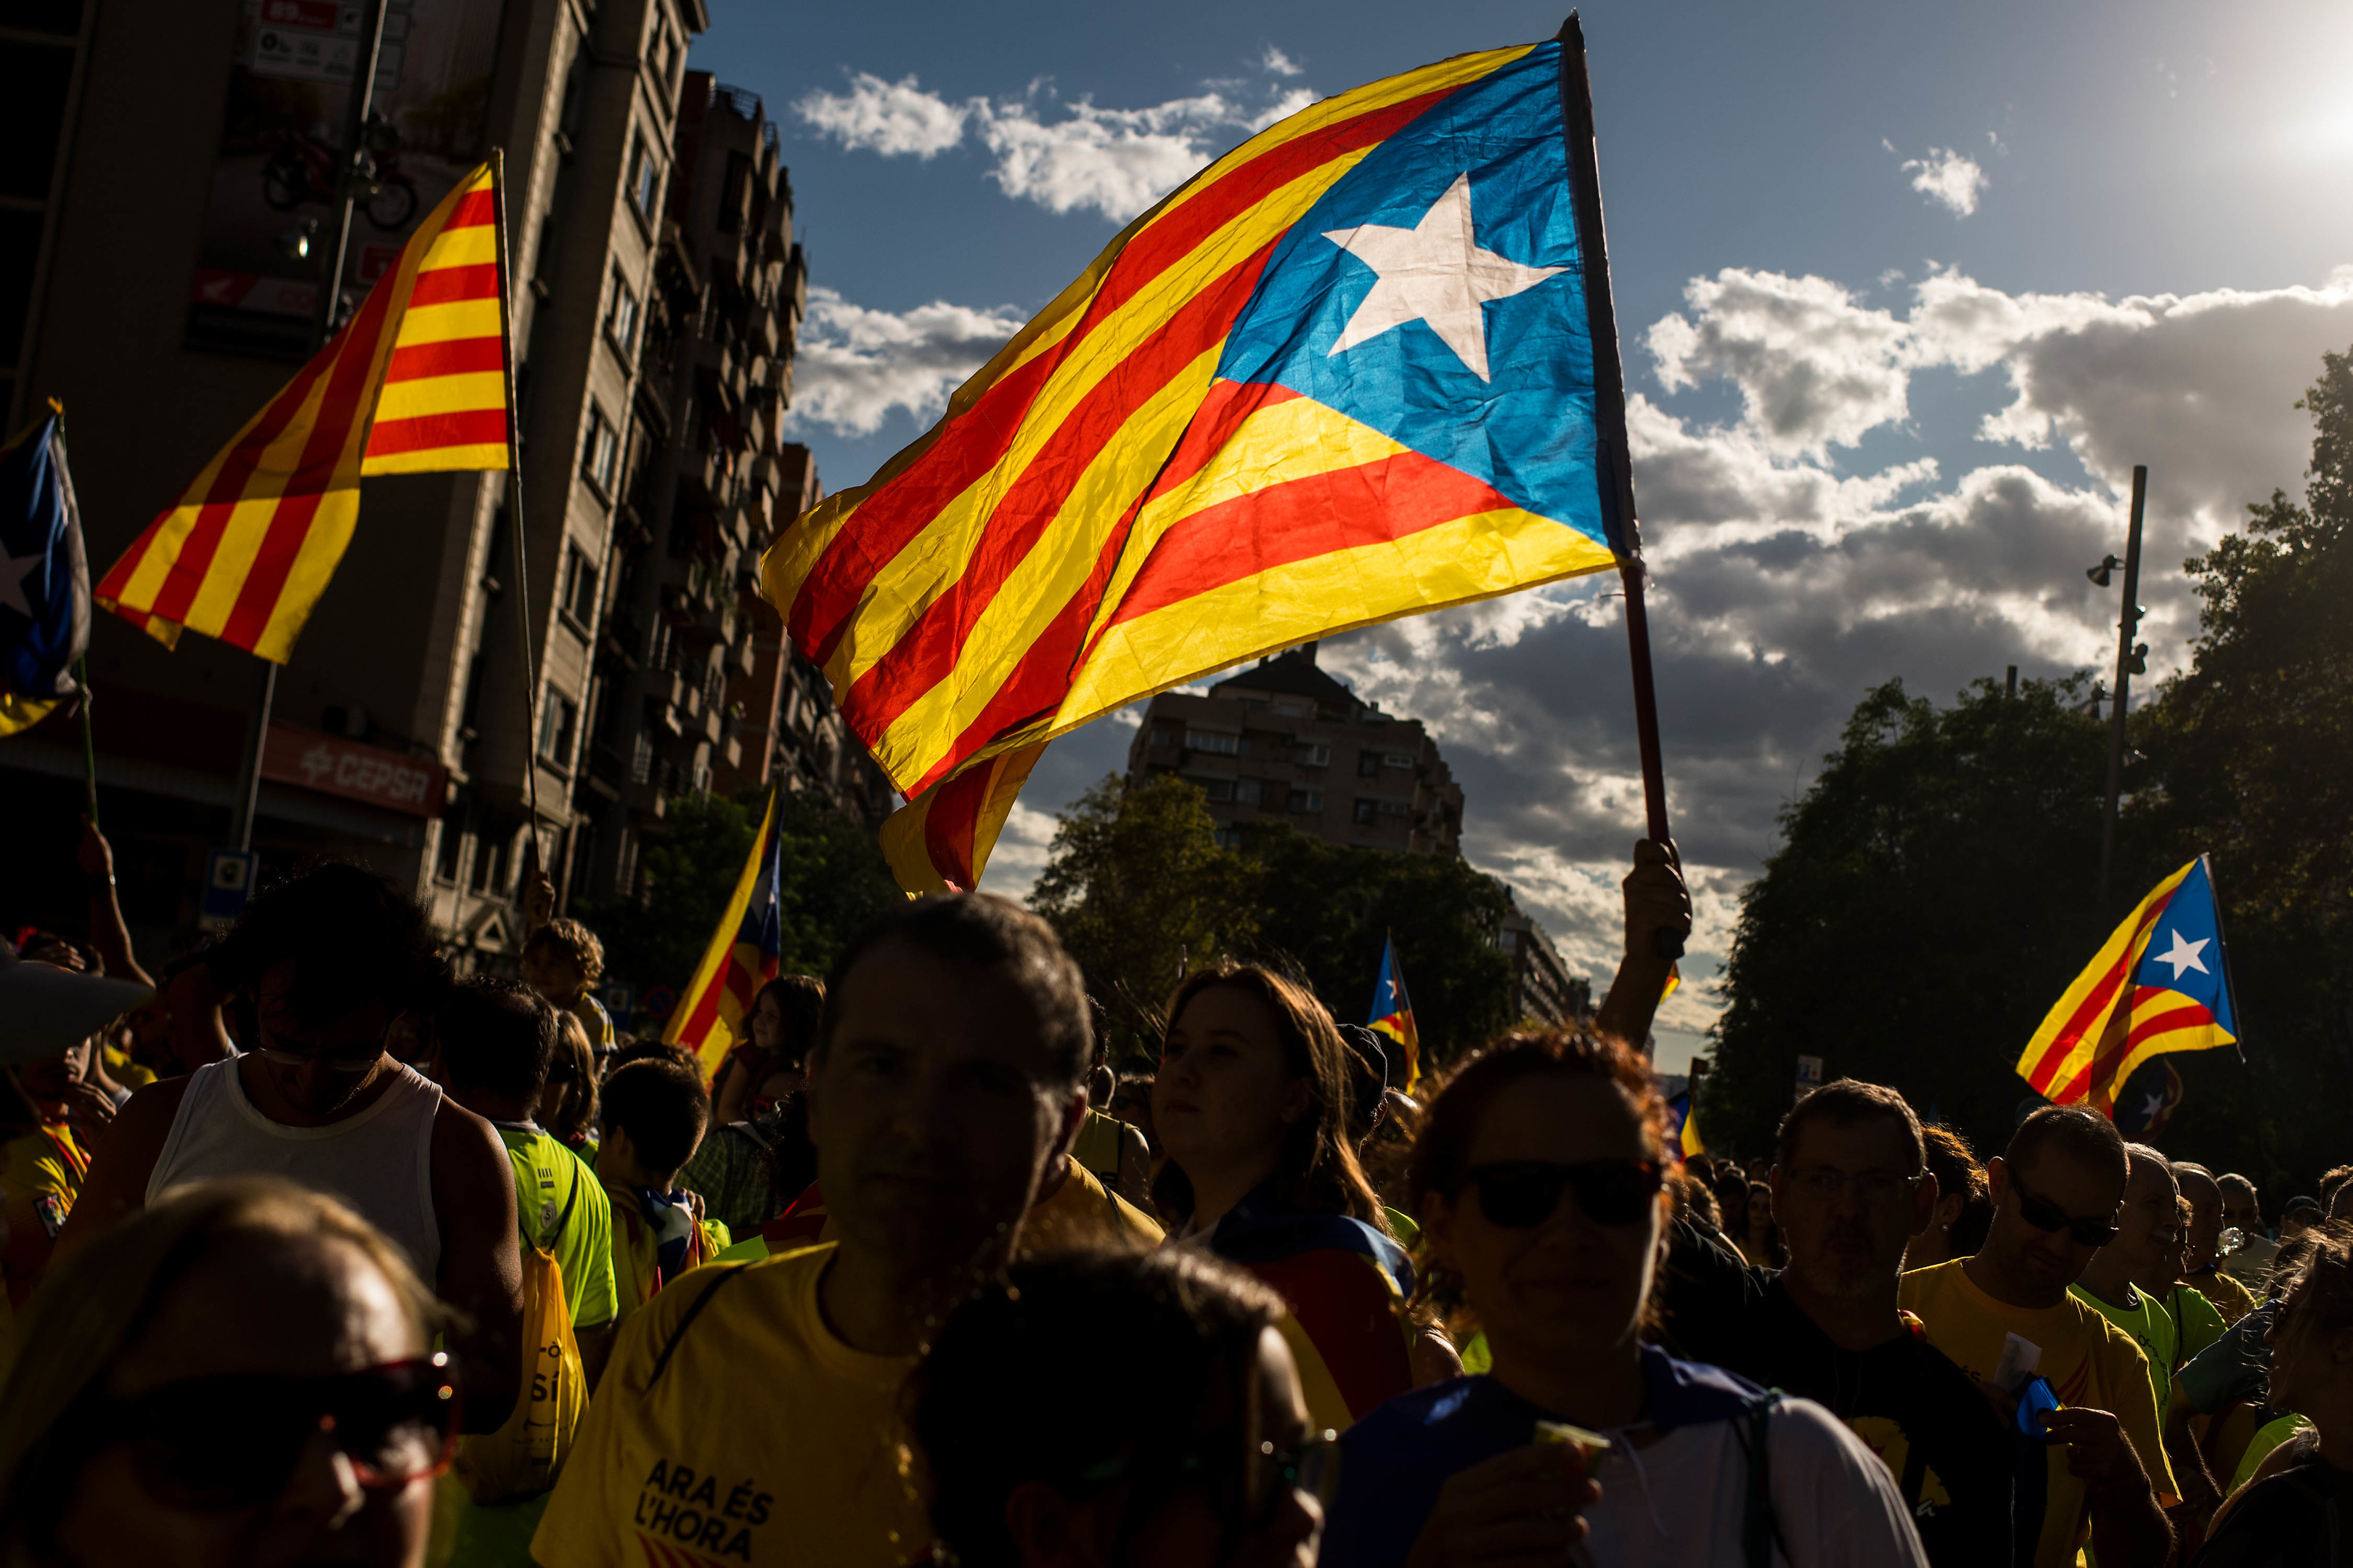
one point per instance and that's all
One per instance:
(88, 746)
(514, 504)
(1616, 477)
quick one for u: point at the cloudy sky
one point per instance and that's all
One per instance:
(1906, 292)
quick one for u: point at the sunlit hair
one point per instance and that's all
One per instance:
(2078, 1130)
(576, 941)
(1198, 1323)
(568, 1109)
(1441, 1156)
(1843, 1102)
(94, 1304)
(2320, 1277)
(1316, 1171)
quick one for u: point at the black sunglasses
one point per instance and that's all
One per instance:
(2044, 1215)
(1517, 1193)
(210, 1444)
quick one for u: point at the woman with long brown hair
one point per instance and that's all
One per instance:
(1249, 1104)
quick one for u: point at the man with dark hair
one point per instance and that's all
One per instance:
(656, 1111)
(2005, 1316)
(316, 972)
(1850, 1189)
(753, 1411)
(2201, 1246)
(2242, 1211)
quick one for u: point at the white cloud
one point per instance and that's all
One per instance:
(857, 365)
(1950, 178)
(1065, 156)
(893, 118)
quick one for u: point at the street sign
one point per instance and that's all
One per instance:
(658, 1001)
(229, 882)
(1809, 1077)
(620, 998)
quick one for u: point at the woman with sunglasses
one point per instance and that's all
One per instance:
(1249, 1102)
(1203, 1459)
(240, 1376)
(1539, 1176)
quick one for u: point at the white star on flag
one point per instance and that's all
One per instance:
(1434, 272)
(2156, 1104)
(2184, 954)
(13, 570)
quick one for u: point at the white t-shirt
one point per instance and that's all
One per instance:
(1834, 1504)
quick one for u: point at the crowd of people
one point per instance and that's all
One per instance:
(315, 1252)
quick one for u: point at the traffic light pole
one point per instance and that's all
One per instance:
(2127, 655)
(322, 327)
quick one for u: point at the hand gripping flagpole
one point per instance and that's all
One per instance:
(1617, 475)
(514, 504)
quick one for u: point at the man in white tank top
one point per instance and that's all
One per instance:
(315, 974)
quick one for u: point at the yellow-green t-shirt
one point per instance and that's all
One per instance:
(40, 1176)
(2152, 1329)
(767, 1440)
(2089, 1361)
(562, 1208)
(2230, 1299)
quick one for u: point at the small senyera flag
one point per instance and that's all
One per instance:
(415, 383)
(1682, 1128)
(1349, 372)
(713, 1014)
(44, 579)
(1393, 1013)
(2159, 984)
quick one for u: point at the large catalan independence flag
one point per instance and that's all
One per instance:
(713, 1017)
(1346, 373)
(2159, 984)
(415, 383)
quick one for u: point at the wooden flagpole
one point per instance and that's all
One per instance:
(1617, 475)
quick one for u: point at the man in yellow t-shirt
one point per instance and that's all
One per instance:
(2055, 1193)
(751, 1413)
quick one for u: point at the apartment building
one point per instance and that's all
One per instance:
(1542, 987)
(161, 273)
(1283, 739)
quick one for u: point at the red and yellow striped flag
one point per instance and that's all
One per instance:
(415, 383)
(1346, 373)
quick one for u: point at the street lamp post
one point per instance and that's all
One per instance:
(2131, 660)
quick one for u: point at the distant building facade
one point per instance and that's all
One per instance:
(1284, 740)
(1542, 987)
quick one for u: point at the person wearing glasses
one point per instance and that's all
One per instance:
(1540, 1181)
(315, 972)
(1252, 1102)
(2202, 1244)
(2005, 1317)
(1850, 1189)
(1206, 1456)
(2242, 1211)
(241, 1377)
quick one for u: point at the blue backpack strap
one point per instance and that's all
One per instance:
(1760, 1530)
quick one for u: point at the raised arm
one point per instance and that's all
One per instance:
(107, 931)
(1656, 900)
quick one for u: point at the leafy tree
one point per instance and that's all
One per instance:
(1931, 898)
(1138, 887)
(1136, 878)
(834, 882)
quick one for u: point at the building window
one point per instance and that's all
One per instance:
(452, 845)
(1306, 801)
(1161, 740)
(645, 176)
(1228, 838)
(1368, 764)
(1291, 710)
(578, 599)
(641, 759)
(1216, 789)
(1248, 792)
(1367, 809)
(559, 716)
(621, 317)
(1215, 743)
(1396, 759)
(1394, 808)
(600, 455)
(1308, 754)
(490, 865)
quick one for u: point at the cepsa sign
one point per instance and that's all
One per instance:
(332, 765)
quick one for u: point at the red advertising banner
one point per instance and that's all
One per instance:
(332, 765)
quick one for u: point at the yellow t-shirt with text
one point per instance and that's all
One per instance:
(2089, 1361)
(767, 1440)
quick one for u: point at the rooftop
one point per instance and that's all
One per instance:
(1294, 674)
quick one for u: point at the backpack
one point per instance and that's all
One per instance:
(1760, 1531)
(521, 1457)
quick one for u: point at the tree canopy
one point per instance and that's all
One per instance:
(1137, 878)
(1933, 892)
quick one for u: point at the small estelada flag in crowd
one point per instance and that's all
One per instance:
(713, 1016)
(2159, 984)
(44, 578)
(1351, 371)
(415, 383)
(2149, 1102)
(1393, 1013)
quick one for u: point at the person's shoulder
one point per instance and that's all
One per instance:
(1455, 1406)
(1807, 1433)
(1918, 1284)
